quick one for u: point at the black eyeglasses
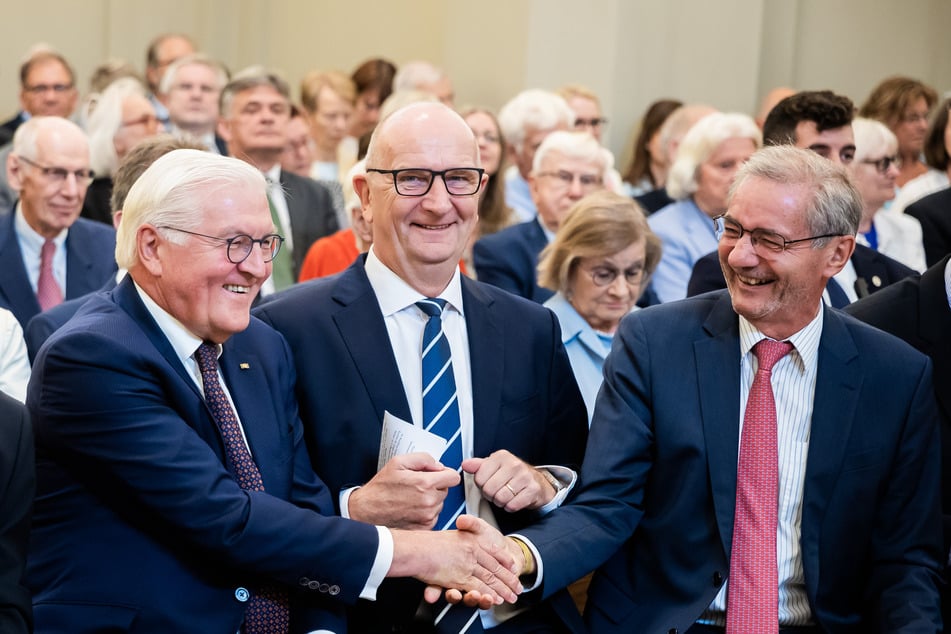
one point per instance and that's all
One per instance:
(605, 275)
(595, 122)
(59, 175)
(883, 164)
(730, 230)
(240, 246)
(37, 89)
(417, 181)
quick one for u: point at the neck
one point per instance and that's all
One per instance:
(197, 130)
(261, 159)
(325, 154)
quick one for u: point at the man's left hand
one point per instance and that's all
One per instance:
(509, 482)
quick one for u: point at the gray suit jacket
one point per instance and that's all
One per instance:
(311, 209)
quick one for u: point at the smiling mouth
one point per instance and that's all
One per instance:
(234, 288)
(434, 227)
(753, 281)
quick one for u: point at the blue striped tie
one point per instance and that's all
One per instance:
(440, 404)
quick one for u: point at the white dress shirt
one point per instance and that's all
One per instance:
(14, 364)
(31, 244)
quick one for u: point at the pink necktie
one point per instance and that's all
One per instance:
(267, 611)
(48, 292)
(753, 591)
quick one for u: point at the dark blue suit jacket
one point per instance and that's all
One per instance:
(524, 395)
(874, 271)
(509, 260)
(934, 214)
(17, 485)
(659, 478)
(138, 525)
(43, 324)
(90, 260)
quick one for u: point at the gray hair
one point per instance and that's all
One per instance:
(700, 142)
(415, 75)
(835, 206)
(198, 59)
(539, 109)
(172, 191)
(872, 138)
(576, 145)
(106, 120)
(249, 78)
(24, 139)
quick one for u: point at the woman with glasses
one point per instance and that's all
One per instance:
(122, 116)
(707, 160)
(599, 262)
(874, 170)
(938, 157)
(903, 104)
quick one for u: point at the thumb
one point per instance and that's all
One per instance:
(418, 461)
(471, 465)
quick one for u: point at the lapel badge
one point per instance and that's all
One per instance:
(876, 281)
(244, 366)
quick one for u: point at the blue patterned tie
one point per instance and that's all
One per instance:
(267, 611)
(440, 404)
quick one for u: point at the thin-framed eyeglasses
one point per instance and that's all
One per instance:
(38, 89)
(417, 181)
(764, 241)
(588, 181)
(146, 119)
(240, 246)
(595, 122)
(605, 275)
(59, 175)
(883, 164)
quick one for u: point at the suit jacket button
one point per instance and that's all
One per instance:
(242, 594)
(717, 579)
(672, 630)
(324, 587)
(334, 590)
(313, 585)
(303, 581)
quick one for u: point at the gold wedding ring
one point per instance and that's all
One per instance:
(510, 489)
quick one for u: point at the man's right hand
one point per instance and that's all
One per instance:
(476, 559)
(408, 492)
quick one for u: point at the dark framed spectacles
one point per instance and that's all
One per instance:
(763, 241)
(240, 246)
(417, 181)
(38, 89)
(60, 174)
(605, 275)
(883, 164)
(595, 122)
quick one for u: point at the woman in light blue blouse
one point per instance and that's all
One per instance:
(599, 262)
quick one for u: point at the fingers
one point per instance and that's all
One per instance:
(511, 483)
(432, 593)
(471, 465)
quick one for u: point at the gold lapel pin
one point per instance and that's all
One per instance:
(876, 281)
(244, 366)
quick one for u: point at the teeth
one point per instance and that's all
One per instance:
(752, 281)
(434, 227)
(234, 288)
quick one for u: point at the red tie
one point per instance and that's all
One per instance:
(753, 591)
(48, 293)
(267, 611)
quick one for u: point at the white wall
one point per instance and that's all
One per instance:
(727, 53)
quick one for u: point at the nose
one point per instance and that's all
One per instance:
(437, 199)
(575, 190)
(742, 254)
(71, 186)
(254, 264)
(619, 287)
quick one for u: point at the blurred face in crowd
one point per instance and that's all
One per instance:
(588, 117)
(912, 128)
(298, 153)
(49, 91)
(489, 139)
(138, 123)
(366, 113)
(835, 144)
(716, 174)
(604, 289)
(52, 184)
(257, 121)
(330, 123)
(874, 176)
(169, 51)
(192, 99)
(524, 156)
(560, 183)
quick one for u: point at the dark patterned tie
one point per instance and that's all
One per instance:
(267, 611)
(753, 591)
(441, 417)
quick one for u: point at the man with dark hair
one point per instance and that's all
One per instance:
(819, 121)
(255, 113)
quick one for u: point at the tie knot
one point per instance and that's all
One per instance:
(207, 357)
(768, 352)
(432, 306)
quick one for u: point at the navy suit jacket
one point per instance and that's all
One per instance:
(509, 260)
(90, 260)
(524, 395)
(934, 214)
(875, 270)
(311, 209)
(43, 324)
(17, 484)
(138, 525)
(659, 478)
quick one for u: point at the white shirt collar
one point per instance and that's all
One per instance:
(30, 237)
(183, 342)
(806, 340)
(394, 294)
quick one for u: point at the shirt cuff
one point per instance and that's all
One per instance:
(567, 477)
(539, 568)
(344, 499)
(381, 564)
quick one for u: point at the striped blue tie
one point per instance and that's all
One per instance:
(440, 404)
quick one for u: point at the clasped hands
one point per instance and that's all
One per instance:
(475, 563)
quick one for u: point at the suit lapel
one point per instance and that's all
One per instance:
(718, 375)
(838, 380)
(934, 316)
(361, 327)
(486, 355)
(14, 283)
(78, 263)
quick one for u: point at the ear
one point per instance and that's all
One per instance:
(533, 188)
(362, 188)
(148, 244)
(224, 129)
(14, 173)
(840, 254)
